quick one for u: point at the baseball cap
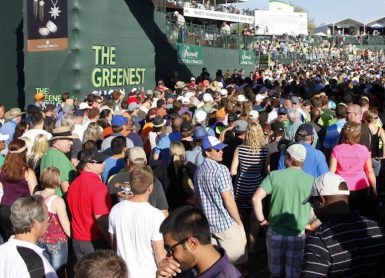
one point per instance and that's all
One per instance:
(254, 114)
(277, 126)
(84, 105)
(297, 152)
(118, 120)
(327, 185)
(207, 97)
(221, 113)
(137, 155)
(240, 126)
(186, 126)
(295, 100)
(200, 116)
(305, 130)
(212, 142)
(132, 106)
(232, 117)
(241, 98)
(92, 156)
(282, 110)
(199, 133)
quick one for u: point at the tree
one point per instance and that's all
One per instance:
(310, 20)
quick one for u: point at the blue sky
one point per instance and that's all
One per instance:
(328, 11)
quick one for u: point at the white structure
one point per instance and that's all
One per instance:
(280, 5)
(280, 22)
(346, 26)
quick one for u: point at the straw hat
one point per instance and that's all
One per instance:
(13, 113)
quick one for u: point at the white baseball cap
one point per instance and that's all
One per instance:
(297, 152)
(224, 92)
(254, 114)
(241, 98)
(327, 185)
(200, 116)
(84, 105)
(207, 97)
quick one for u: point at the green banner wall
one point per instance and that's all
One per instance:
(108, 49)
(247, 57)
(190, 54)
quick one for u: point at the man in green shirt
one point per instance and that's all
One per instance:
(61, 143)
(288, 217)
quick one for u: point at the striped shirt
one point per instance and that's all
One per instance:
(251, 172)
(346, 246)
(210, 180)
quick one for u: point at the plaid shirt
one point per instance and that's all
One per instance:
(210, 180)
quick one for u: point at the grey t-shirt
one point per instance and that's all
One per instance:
(157, 197)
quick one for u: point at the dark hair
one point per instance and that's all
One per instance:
(49, 124)
(20, 129)
(37, 119)
(101, 264)
(65, 96)
(118, 144)
(341, 111)
(187, 221)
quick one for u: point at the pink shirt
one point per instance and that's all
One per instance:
(351, 161)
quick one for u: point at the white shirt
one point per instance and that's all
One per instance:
(135, 225)
(32, 133)
(13, 265)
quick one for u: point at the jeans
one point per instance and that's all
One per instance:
(56, 254)
(376, 166)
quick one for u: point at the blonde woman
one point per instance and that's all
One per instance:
(39, 148)
(177, 177)
(54, 240)
(250, 166)
(93, 133)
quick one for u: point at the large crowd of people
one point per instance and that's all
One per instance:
(202, 177)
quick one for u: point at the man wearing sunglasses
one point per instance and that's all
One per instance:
(346, 244)
(187, 241)
(214, 190)
(90, 204)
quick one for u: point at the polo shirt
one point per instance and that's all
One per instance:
(346, 245)
(163, 146)
(87, 197)
(220, 269)
(8, 128)
(56, 158)
(22, 259)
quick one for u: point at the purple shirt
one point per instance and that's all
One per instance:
(221, 269)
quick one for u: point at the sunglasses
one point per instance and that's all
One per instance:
(96, 162)
(170, 249)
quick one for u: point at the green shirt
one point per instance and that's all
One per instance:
(55, 158)
(288, 189)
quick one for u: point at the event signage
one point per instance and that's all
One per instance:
(215, 15)
(246, 57)
(190, 54)
(107, 74)
(47, 25)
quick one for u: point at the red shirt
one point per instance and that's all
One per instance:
(87, 196)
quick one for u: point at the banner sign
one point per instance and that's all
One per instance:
(208, 14)
(47, 25)
(190, 54)
(247, 57)
(264, 61)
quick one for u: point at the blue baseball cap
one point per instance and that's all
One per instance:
(212, 142)
(119, 120)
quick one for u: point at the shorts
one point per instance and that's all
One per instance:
(284, 254)
(233, 240)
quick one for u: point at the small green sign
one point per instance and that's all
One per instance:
(190, 54)
(246, 57)
(264, 61)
